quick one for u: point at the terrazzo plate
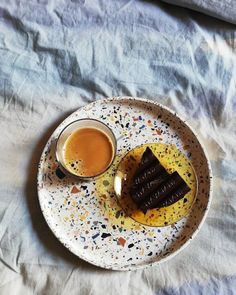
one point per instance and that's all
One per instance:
(89, 219)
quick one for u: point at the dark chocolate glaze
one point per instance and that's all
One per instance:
(148, 159)
(171, 184)
(153, 187)
(139, 193)
(174, 196)
(148, 174)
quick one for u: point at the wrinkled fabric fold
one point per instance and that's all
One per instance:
(224, 10)
(56, 56)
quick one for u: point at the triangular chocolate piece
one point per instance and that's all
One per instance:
(148, 168)
(153, 187)
(149, 175)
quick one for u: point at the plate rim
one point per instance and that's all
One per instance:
(190, 238)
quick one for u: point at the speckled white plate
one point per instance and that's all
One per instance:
(86, 217)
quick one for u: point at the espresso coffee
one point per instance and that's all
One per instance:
(88, 152)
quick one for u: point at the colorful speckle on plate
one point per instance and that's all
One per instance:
(86, 216)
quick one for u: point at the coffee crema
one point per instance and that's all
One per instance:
(88, 152)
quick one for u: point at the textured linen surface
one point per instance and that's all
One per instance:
(225, 10)
(56, 56)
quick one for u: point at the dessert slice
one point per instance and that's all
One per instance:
(148, 169)
(175, 196)
(153, 187)
(166, 194)
(147, 178)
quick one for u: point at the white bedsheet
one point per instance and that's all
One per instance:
(56, 56)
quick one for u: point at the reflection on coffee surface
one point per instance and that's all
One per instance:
(88, 152)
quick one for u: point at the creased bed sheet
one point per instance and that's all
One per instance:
(225, 10)
(56, 56)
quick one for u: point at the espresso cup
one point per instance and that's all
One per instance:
(90, 129)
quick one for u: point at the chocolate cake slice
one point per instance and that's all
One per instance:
(175, 196)
(153, 187)
(147, 178)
